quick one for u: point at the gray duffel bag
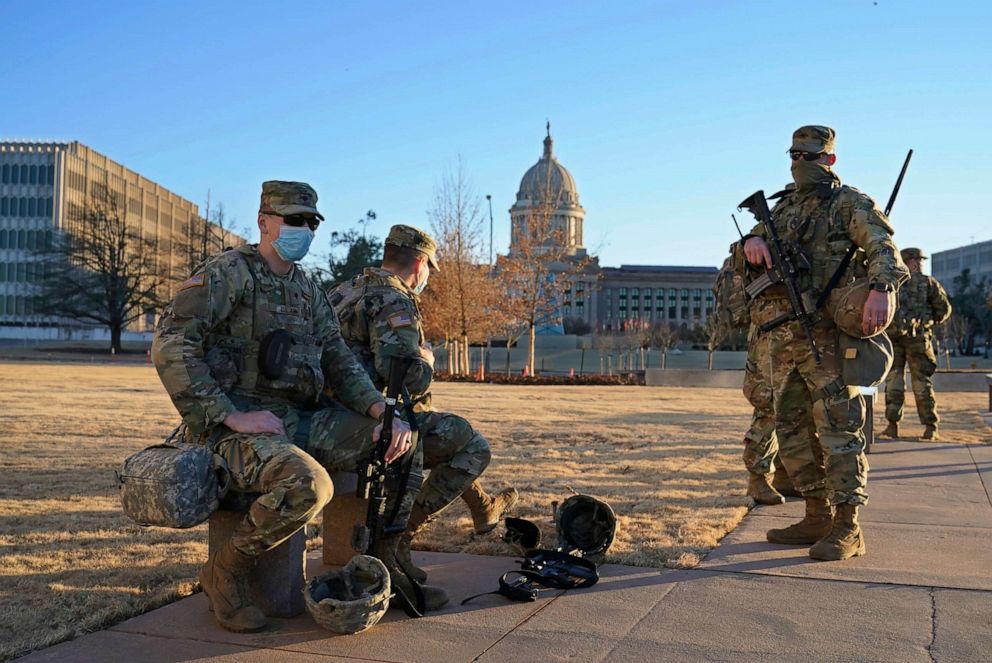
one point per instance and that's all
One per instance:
(173, 484)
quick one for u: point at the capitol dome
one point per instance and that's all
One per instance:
(548, 179)
(548, 197)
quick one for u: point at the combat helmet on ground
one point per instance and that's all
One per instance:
(351, 599)
(586, 524)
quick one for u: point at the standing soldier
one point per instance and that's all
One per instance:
(922, 304)
(761, 441)
(824, 219)
(220, 350)
(380, 319)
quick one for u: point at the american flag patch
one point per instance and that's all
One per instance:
(192, 282)
(400, 320)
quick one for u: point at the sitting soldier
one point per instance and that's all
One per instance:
(380, 319)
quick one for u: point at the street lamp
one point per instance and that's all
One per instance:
(490, 199)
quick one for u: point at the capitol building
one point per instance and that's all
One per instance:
(605, 299)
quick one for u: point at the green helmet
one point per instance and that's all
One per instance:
(866, 361)
(351, 599)
(586, 524)
(846, 306)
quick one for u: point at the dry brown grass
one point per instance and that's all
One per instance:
(71, 562)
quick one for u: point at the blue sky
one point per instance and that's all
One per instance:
(666, 113)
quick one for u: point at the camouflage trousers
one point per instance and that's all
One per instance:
(454, 452)
(917, 351)
(291, 471)
(761, 441)
(838, 411)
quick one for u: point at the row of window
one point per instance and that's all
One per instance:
(15, 206)
(25, 239)
(16, 305)
(21, 272)
(697, 312)
(12, 173)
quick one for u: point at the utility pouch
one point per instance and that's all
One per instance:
(273, 353)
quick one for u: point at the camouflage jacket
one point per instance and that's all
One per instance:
(380, 319)
(208, 341)
(824, 222)
(731, 299)
(922, 304)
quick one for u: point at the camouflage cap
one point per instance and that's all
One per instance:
(813, 138)
(286, 198)
(414, 238)
(912, 254)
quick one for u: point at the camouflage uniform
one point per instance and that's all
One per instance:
(206, 350)
(380, 319)
(922, 304)
(824, 220)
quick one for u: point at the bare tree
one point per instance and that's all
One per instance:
(540, 268)
(461, 303)
(207, 236)
(100, 269)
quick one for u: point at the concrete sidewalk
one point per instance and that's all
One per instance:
(923, 593)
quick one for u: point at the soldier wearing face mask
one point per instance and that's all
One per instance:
(380, 319)
(222, 351)
(826, 220)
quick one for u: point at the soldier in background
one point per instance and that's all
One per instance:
(216, 349)
(923, 303)
(824, 218)
(380, 319)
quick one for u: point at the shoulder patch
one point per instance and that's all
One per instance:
(192, 282)
(398, 320)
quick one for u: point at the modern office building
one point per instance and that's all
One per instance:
(945, 265)
(608, 298)
(43, 185)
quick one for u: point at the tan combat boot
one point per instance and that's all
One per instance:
(930, 433)
(813, 527)
(891, 431)
(486, 510)
(845, 538)
(435, 597)
(783, 484)
(224, 579)
(759, 490)
(418, 517)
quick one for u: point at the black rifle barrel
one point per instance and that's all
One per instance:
(895, 190)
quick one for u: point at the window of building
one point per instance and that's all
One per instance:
(3, 305)
(33, 175)
(623, 293)
(42, 172)
(623, 313)
(49, 207)
(22, 239)
(671, 312)
(579, 306)
(19, 302)
(3, 272)
(48, 240)
(685, 312)
(15, 175)
(3, 238)
(22, 272)
(32, 206)
(660, 293)
(647, 294)
(51, 174)
(635, 293)
(4, 206)
(24, 173)
(22, 207)
(5, 174)
(32, 236)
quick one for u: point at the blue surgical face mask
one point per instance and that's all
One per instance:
(293, 243)
(419, 288)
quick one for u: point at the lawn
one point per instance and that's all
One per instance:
(667, 460)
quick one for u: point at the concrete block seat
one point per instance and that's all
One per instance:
(279, 576)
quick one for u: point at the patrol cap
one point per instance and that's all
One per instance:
(285, 198)
(912, 254)
(416, 239)
(813, 138)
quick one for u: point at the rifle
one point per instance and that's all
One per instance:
(374, 474)
(787, 262)
(895, 190)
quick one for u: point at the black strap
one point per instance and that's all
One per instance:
(837, 275)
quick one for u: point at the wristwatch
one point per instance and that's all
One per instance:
(882, 287)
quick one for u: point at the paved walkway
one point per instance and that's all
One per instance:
(923, 593)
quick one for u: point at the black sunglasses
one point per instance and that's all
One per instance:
(299, 220)
(796, 155)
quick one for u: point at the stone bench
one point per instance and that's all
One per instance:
(279, 576)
